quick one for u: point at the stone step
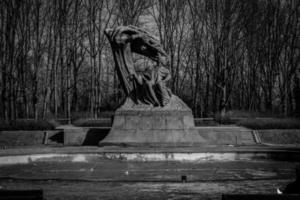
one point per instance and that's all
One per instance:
(76, 136)
(189, 137)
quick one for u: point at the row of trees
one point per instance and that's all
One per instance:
(224, 54)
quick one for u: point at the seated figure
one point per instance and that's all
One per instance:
(151, 85)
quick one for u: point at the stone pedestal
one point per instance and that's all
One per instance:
(145, 125)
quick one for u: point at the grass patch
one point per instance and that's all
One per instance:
(250, 114)
(205, 122)
(225, 120)
(91, 122)
(280, 136)
(26, 125)
(270, 123)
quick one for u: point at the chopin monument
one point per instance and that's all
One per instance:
(150, 115)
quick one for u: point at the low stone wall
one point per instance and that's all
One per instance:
(78, 136)
(68, 136)
(28, 138)
(187, 157)
(280, 136)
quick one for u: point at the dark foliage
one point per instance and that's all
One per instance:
(26, 125)
(270, 123)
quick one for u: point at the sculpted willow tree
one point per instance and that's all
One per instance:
(151, 114)
(147, 85)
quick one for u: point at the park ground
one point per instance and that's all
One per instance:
(123, 179)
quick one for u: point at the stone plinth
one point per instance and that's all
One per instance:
(145, 125)
(169, 126)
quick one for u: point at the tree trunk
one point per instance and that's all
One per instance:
(223, 101)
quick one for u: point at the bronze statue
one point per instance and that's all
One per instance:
(148, 85)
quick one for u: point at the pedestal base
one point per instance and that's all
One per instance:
(144, 125)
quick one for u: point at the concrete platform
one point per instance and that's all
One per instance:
(127, 136)
(196, 136)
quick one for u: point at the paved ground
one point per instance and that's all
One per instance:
(115, 179)
(105, 178)
(114, 190)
